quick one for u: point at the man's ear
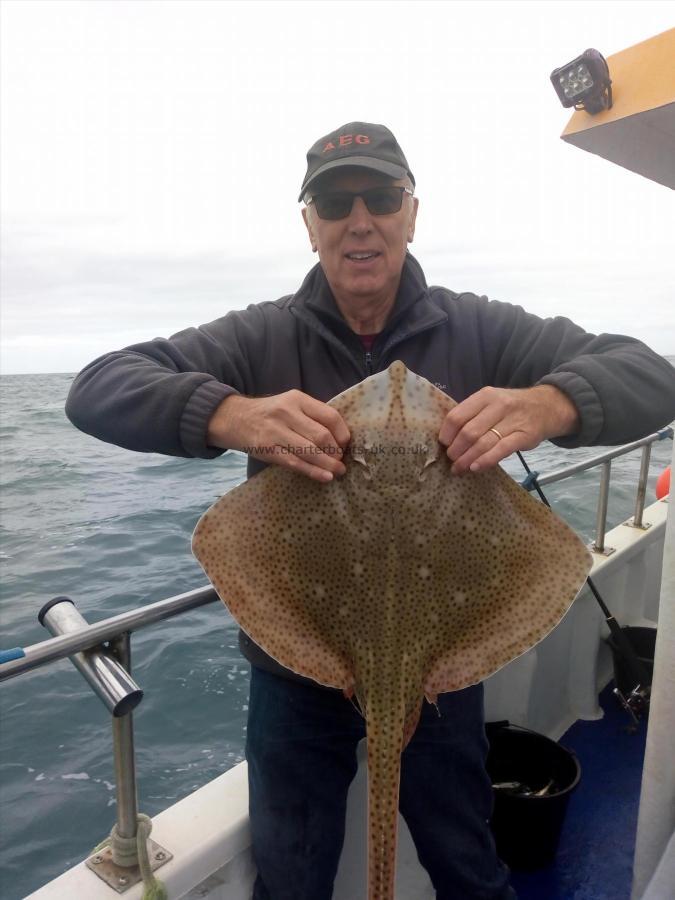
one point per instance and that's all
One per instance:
(412, 220)
(308, 226)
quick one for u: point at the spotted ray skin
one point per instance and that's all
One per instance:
(394, 582)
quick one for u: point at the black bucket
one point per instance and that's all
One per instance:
(527, 827)
(643, 641)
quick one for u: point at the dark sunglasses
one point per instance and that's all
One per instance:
(380, 201)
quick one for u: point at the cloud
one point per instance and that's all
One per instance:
(152, 153)
(63, 307)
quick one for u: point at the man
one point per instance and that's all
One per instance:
(260, 379)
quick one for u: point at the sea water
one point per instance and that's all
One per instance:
(111, 529)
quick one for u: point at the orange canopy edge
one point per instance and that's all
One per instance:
(638, 132)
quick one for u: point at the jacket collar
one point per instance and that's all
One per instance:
(314, 303)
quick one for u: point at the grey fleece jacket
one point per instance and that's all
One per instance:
(158, 396)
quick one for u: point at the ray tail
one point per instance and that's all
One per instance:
(385, 742)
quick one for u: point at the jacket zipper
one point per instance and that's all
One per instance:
(368, 358)
(398, 339)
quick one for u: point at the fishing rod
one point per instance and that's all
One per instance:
(640, 694)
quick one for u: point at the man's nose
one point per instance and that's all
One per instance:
(360, 220)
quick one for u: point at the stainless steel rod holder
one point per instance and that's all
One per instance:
(108, 671)
(107, 678)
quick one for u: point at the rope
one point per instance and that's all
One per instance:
(154, 889)
(133, 851)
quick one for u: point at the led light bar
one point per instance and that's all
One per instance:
(584, 83)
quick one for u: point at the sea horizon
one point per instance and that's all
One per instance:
(669, 356)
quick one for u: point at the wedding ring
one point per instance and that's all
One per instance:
(500, 436)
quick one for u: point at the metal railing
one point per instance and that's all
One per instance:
(91, 636)
(101, 651)
(102, 654)
(605, 460)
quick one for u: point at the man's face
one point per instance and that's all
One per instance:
(383, 238)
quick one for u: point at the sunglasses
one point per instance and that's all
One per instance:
(380, 201)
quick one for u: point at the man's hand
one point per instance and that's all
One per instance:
(522, 417)
(291, 429)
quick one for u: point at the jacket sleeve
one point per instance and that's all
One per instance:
(622, 389)
(158, 396)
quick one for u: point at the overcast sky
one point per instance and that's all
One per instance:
(152, 154)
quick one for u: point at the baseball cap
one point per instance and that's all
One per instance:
(359, 144)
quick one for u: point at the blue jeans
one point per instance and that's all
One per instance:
(301, 751)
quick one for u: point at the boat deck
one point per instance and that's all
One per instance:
(595, 855)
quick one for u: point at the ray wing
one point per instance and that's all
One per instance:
(394, 581)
